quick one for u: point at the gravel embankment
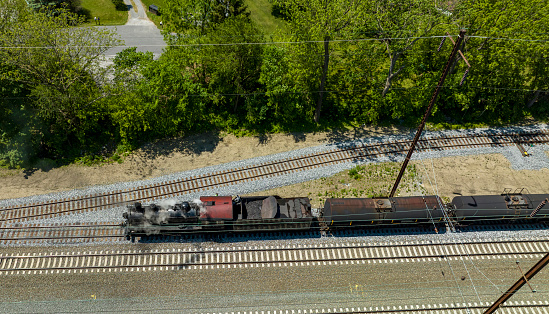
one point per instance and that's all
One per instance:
(538, 160)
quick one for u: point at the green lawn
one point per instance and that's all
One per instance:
(105, 11)
(160, 4)
(261, 15)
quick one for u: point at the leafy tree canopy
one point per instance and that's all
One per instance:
(59, 65)
(196, 17)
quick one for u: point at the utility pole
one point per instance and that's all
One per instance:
(429, 108)
(514, 288)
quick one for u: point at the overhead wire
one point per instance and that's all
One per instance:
(436, 190)
(270, 42)
(312, 92)
(225, 44)
(446, 257)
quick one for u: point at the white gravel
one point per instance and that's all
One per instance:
(537, 160)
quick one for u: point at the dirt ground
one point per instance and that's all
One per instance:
(447, 177)
(466, 175)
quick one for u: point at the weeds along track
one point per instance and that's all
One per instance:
(270, 169)
(132, 260)
(60, 234)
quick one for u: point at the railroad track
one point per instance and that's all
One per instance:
(270, 256)
(510, 307)
(189, 185)
(60, 233)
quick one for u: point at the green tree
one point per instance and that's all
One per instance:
(72, 5)
(399, 25)
(59, 64)
(212, 40)
(284, 105)
(507, 76)
(158, 99)
(317, 23)
(16, 118)
(196, 17)
(228, 63)
(129, 63)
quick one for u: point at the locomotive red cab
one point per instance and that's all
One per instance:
(216, 208)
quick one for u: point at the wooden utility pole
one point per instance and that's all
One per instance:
(514, 288)
(429, 108)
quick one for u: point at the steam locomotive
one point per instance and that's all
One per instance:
(273, 213)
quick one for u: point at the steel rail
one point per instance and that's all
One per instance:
(250, 173)
(511, 140)
(63, 237)
(436, 309)
(38, 232)
(267, 256)
(299, 248)
(239, 263)
(60, 226)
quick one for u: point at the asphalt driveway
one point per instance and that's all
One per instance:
(138, 32)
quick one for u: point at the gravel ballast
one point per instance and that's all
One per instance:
(537, 160)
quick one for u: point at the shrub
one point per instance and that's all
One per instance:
(119, 5)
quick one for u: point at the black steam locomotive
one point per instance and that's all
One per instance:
(219, 213)
(273, 213)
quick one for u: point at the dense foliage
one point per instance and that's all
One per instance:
(341, 62)
(71, 5)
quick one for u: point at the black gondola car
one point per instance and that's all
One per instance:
(500, 207)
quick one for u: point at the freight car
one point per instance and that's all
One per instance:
(341, 212)
(264, 213)
(504, 207)
(219, 213)
(462, 210)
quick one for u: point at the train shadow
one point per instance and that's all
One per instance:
(227, 238)
(194, 258)
(518, 226)
(295, 235)
(197, 239)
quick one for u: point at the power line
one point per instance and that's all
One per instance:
(228, 44)
(510, 39)
(306, 92)
(268, 43)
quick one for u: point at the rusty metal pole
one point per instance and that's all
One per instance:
(428, 112)
(514, 288)
(522, 273)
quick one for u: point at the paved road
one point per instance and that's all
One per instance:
(138, 32)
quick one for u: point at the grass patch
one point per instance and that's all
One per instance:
(371, 180)
(161, 4)
(105, 11)
(260, 14)
(262, 17)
